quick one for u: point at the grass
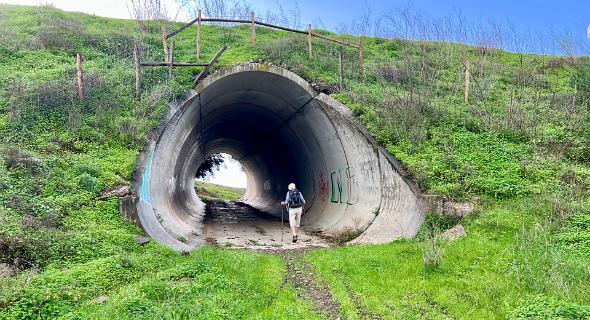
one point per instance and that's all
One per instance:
(159, 284)
(483, 275)
(210, 191)
(519, 145)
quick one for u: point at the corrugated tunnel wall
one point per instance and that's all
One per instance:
(282, 131)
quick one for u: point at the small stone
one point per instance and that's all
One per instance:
(455, 233)
(141, 240)
(101, 299)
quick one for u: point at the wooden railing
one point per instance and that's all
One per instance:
(253, 22)
(169, 48)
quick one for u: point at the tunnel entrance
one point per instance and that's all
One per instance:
(281, 130)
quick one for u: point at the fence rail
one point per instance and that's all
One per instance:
(260, 23)
(169, 48)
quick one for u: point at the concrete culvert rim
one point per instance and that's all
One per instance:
(281, 130)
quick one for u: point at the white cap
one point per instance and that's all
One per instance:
(291, 186)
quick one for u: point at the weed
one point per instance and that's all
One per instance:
(345, 234)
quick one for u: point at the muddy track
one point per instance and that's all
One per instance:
(303, 278)
(236, 225)
(356, 301)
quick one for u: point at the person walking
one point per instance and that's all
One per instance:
(294, 202)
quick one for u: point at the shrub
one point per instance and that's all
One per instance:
(87, 182)
(59, 33)
(15, 158)
(24, 250)
(89, 169)
(392, 74)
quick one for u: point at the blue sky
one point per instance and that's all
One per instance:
(527, 14)
(536, 15)
(541, 17)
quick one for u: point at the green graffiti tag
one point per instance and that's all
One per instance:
(336, 196)
(343, 191)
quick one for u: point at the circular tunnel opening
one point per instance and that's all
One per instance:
(281, 131)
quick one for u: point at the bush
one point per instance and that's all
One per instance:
(87, 182)
(24, 250)
(392, 74)
(89, 169)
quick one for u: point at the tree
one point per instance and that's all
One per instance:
(210, 165)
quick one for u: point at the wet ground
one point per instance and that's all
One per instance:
(238, 225)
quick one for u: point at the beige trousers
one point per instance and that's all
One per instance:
(295, 216)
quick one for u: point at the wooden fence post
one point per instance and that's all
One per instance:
(164, 42)
(253, 30)
(361, 40)
(341, 66)
(467, 80)
(136, 58)
(198, 35)
(79, 60)
(171, 59)
(309, 48)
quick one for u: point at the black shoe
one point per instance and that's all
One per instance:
(294, 239)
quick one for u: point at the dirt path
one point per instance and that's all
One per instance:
(303, 278)
(237, 225)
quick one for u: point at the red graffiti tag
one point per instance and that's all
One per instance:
(322, 186)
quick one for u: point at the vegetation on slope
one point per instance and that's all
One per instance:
(519, 144)
(210, 191)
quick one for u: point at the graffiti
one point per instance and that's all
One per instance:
(343, 191)
(351, 195)
(322, 186)
(336, 187)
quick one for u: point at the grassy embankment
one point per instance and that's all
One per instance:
(210, 191)
(519, 145)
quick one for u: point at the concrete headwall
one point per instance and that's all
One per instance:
(282, 131)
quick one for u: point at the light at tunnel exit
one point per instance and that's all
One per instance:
(230, 173)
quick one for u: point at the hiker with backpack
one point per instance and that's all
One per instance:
(294, 202)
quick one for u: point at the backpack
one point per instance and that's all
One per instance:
(295, 199)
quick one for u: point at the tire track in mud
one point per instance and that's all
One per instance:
(302, 276)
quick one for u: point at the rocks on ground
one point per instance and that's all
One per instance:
(101, 299)
(455, 233)
(457, 209)
(141, 240)
(116, 191)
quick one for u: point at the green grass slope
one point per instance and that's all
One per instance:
(520, 145)
(210, 191)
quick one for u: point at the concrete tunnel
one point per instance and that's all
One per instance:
(281, 130)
